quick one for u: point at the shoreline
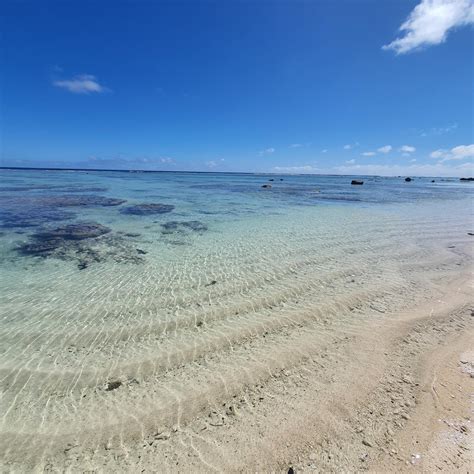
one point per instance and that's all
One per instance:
(357, 403)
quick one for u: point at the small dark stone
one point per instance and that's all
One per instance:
(407, 180)
(291, 471)
(357, 182)
(267, 186)
(141, 252)
(213, 282)
(281, 179)
(113, 385)
(131, 234)
(199, 324)
(271, 179)
(82, 265)
(433, 181)
(147, 209)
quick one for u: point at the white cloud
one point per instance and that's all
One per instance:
(267, 151)
(82, 84)
(347, 147)
(413, 160)
(460, 152)
(385, 149)
(368, 153)
(429, 23)
(296, 169)
(324, 151)
(296, 145)
(350, 162)
(407, 149)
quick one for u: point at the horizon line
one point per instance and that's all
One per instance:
(38, 168)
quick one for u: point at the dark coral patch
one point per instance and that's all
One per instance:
(46, 242)
(183, 227)
(32, 217)
(145, 209)
(81, 242)
(86, 200)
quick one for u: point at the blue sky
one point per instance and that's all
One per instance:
(329, 86)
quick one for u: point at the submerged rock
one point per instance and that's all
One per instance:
(183, 226)
(32, 217)
(357, 182)
(466, 179)
(407, 180)
(45, 242)
(146, 209)
(268, 186)
(86, 200)
(78, 231)
(82, 242)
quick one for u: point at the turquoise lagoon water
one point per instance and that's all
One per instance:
(111, 313)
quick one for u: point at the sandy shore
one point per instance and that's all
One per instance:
(372, 381)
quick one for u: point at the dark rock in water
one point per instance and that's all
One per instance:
(407, 180)
(213, 282)
(357, 182)
(271, 179)
(84, 243)
(78, 231)
(281, 179)
(183, 226)
(147, 209)
(268, 186)
(132, 234)
(141, 252)
(113, 385)
(433, 181)
(32, 217)
(86, 200)
(466, 179)
(46, 242)
(470, 233)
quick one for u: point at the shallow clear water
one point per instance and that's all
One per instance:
(149, 296)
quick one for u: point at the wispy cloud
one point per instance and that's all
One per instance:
(350, 146)
(407, 149)
(368, 153)
(81, 84)
(460, 152)
(385, 149)
(324, 151)
(267, 151)
(350, 162)
(429, 23)
(296, 145)
(438, 130)
(214, 163)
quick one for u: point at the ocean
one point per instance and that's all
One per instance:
(138, 303)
